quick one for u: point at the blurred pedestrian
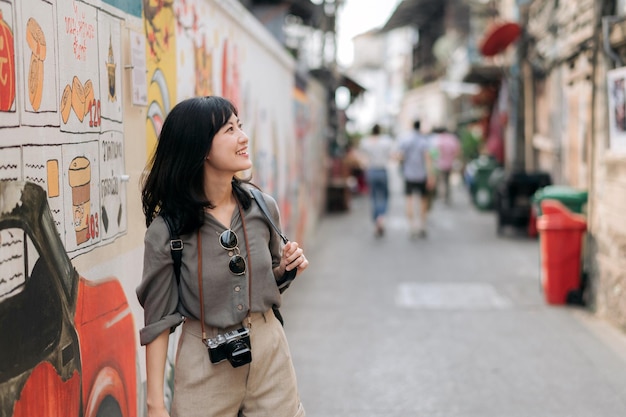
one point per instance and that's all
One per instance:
(419, 179)
(232, 358)
(448, 148)
(377, 151)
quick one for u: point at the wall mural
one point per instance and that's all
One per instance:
(311, 161)
(61, 195)
(66, 122)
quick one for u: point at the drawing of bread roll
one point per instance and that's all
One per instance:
(35, 82)
(66, 103)
(36, 39)
(78, 98)
(89, 96)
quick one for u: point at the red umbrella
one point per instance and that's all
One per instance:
(498, 37)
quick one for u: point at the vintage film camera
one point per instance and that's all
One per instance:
(233, 345)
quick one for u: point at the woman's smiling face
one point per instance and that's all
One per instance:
(229, 150)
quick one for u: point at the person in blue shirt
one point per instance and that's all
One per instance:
(419, 179)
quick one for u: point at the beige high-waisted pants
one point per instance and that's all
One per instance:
(266, 387)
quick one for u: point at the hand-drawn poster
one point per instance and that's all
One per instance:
(8, 67)
(616, 84)
(138, 80)
(79, 86)
(109, 105)
(81, 195)
(38, 58)
(42, 166)
(112, 188)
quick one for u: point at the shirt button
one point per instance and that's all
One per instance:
(237, 288)
(239, 307)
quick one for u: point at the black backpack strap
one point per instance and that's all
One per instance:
(176, 246)
(260, 200)
(285, 281)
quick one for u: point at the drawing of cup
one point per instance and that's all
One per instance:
(80, 182)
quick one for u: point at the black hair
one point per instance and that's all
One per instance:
(376, 129)
(417, 124)
(174, 181)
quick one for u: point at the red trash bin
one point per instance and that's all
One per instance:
(561, 233)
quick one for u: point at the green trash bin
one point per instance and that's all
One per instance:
(482, 188)
(572, 198)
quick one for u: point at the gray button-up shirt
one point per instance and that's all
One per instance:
(226, 296)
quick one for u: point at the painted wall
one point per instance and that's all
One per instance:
(84, 89)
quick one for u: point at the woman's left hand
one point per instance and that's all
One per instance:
(293, 257)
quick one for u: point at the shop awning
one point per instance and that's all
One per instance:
(415, 13)
(351, 84)
(310, 13)
(483, 74)
(342, 80)
(498, 37)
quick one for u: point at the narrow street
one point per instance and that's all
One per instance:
(454, 325)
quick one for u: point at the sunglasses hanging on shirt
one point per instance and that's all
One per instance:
(228, 240)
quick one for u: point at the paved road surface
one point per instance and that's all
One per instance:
(454, 325)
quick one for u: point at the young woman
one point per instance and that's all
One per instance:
(232, 357)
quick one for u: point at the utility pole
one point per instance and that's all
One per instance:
(335, 133)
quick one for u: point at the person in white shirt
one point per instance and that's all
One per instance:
(377, 151)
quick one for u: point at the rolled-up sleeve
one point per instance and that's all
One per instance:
(158, 291)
